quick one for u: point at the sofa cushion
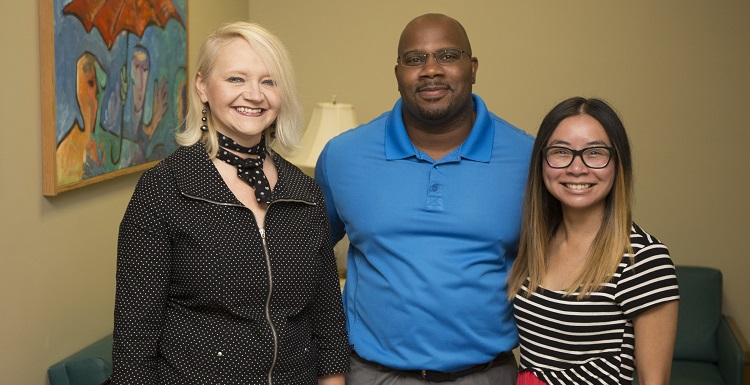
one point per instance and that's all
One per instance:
(695, 373)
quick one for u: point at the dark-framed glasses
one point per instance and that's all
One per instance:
(442, 56)
(592, 157)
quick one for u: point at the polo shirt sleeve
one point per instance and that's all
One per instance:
(322, 177)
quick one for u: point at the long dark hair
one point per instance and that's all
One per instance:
(543, 212)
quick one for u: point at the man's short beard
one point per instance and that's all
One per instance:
(433, 113)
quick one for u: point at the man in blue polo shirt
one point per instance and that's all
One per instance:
(430, 194)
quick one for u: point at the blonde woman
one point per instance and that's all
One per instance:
(225, 268)
(594, 295)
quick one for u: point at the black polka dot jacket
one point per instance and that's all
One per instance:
(206, 297)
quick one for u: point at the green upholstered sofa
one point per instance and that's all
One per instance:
(709, 348)
(90, 366)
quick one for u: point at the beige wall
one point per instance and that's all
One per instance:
(676, 70)
(57, 255)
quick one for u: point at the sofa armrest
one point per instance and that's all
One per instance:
(90, 365)
(733, 351)
(84, 371)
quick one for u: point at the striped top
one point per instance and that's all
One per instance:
(591, 341)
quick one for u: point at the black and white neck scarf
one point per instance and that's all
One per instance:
(250, 169)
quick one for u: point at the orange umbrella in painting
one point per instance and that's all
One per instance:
(111, 17)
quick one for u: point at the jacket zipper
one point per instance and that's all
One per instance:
(267, 255)
(275, 336)
(268, 305)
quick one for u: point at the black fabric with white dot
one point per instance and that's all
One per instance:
(202, 298)
(251, 169)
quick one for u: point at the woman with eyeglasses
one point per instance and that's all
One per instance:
(595, 296)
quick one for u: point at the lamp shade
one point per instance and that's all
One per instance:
(328, 120)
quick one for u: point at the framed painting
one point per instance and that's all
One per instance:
(114, 87)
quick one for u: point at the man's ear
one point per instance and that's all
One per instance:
(474, 67)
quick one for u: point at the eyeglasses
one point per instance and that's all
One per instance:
(592, 157)
(442, 56)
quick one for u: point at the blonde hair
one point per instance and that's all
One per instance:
(542, 212)
(288, 125)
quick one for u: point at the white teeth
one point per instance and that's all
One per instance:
(246, 110)
(577, 186)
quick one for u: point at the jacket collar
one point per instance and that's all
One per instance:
(196, 176)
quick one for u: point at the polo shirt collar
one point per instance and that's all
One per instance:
(476, 147)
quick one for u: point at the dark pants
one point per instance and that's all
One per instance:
(367, 373)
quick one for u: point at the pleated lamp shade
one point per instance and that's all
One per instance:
(328, 120)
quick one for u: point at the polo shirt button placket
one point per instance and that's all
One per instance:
(434, 189)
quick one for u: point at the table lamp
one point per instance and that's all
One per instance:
(328, 120)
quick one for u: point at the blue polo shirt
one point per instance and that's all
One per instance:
(431, 242)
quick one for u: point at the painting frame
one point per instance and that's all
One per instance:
(113, 92)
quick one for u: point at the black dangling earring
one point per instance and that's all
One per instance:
(272, 134)
(204, 127)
